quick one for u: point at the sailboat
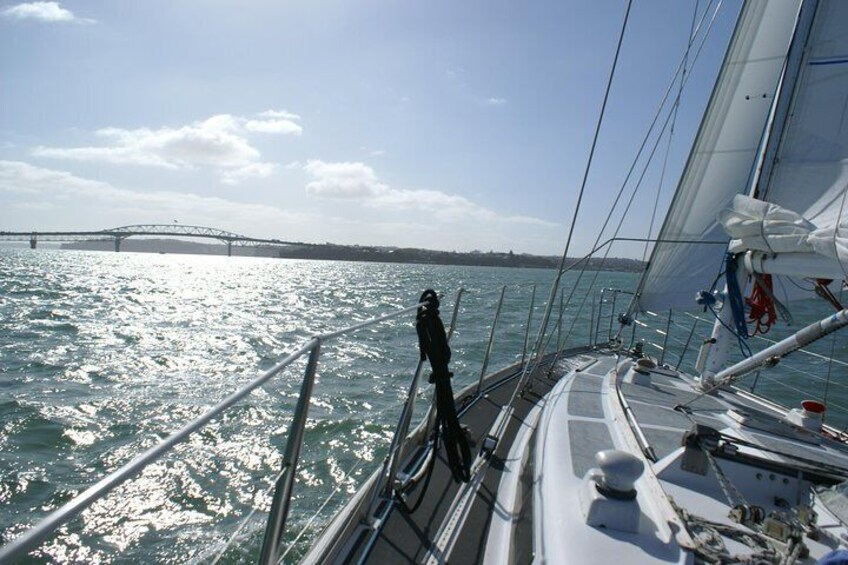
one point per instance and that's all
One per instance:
(610, 451)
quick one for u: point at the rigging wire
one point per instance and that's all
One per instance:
(630, 202)
(647, 161)
(540, 339)
(582, 190)
(675, 109)
(659, 111)
(824, 292)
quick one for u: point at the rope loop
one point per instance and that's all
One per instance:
(761, 309)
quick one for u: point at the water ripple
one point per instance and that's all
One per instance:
(103, 354)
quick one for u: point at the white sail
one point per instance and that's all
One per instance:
(724, 154)
(762, 226)
(810, 173)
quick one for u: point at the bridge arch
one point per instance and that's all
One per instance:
(120, 233)
(180, 230)
(177, 229)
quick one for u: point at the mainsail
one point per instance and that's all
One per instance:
(723, 157)
(808, 175)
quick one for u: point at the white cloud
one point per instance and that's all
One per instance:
(279, 114)
(218, 142)
(95, 197)
(342, 180)
(254, 170)
(496, 101)
(42, 11)
(275, 121)
(273, 126)
(378, 153)
(20, 177)
(358, 181)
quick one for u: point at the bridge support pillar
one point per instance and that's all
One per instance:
(33, 240)
(118, 244)
(229, 249)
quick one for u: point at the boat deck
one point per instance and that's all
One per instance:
(512, 510)
(736, 414)
(413, 537)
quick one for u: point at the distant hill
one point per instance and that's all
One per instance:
(332, 252)
(429, 256)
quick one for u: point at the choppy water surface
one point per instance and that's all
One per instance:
(103, 354)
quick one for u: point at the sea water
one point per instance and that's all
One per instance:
(104, 354)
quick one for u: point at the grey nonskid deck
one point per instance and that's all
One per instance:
(586, 382)
(654, 408)
(406, 537)
(588, 431)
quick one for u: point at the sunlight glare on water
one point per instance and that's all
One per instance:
(103, 354)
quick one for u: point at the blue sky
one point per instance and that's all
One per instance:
(448, 125)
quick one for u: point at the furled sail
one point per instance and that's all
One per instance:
(725, 152)
(809, 173)
(762, 226)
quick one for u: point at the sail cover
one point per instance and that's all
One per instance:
(810, 173)
(761, 226)
(722, 158)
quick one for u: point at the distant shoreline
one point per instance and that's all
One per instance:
(370, 254)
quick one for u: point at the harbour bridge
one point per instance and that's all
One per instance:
(121, 233)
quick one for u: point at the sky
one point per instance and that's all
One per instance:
(446, 125)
